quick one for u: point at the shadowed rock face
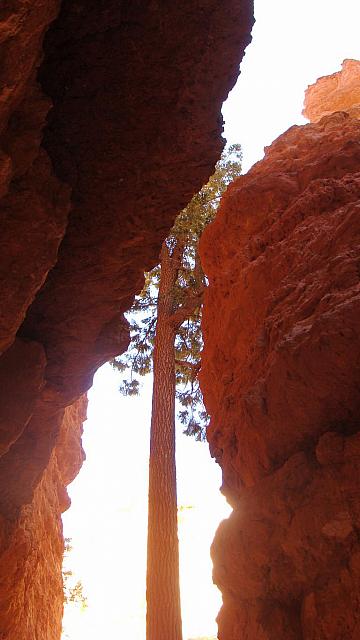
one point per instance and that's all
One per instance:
(105, 134)
(280, 377)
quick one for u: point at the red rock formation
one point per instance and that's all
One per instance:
(280, 377)
(93, 129)
(338, 92)
(31, 596)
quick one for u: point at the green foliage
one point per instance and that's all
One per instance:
(186, 302)
(73, 591)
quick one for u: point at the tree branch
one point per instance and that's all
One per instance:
(194, 366)
(181, 314)
(142, 342)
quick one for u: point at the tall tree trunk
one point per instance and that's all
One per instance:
(163, 619)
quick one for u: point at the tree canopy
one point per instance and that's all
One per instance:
(73, 589)
(187, 296)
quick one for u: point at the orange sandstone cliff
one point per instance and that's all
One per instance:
(30, 564)
(338, 92)
(101, 105)
(280, 376)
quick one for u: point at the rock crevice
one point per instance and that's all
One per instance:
(101, 105)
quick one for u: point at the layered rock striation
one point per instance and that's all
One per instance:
(280, 376)
(101, 105)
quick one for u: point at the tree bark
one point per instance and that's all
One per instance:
(163, 618)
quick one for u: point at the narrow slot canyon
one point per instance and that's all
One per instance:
(110, 122)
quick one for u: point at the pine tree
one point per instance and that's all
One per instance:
(166, 338)
(187, 292)
(73, 591)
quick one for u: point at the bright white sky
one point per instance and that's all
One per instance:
(293, 44)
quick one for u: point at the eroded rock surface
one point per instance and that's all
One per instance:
(107, 128)
(338, 92)
(280, 376)
(32, 546)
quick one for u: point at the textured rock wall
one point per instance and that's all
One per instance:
(31, 599)
(338, 92)
(280, 377)
(96, 120)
